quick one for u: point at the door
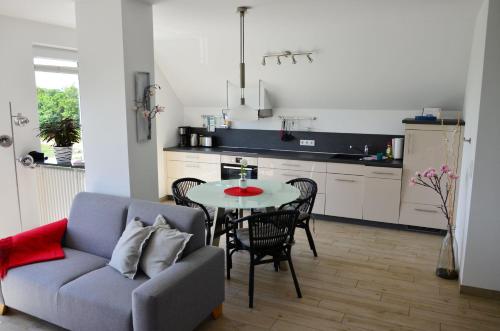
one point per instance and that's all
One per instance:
(424, 149)
(10, 220)
(344, 194)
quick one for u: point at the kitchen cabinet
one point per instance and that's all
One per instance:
(344, 194)
(381, 199)
(285, 164)
(181, 164)
(427, 146)
(286, 175)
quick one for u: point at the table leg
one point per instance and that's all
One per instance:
(219, 225)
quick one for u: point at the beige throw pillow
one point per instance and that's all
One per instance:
(164, 248)
(128, 250)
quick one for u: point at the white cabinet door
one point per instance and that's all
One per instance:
(193, 157)
(427, 216)
(425, 149)
(286, 175)
(381, 200)
(344, 196)
(286, 164)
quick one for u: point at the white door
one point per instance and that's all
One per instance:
(10, 221)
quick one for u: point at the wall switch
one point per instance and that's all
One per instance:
(307, 142)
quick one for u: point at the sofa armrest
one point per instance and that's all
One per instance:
(183, 295)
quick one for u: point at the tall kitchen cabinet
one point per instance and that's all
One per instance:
(427, 145)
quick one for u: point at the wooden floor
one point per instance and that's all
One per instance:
(365, 278)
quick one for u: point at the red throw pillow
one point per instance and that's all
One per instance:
(36, 245)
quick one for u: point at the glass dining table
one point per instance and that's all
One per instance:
(212, 195)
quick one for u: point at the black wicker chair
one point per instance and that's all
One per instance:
(180, 187)
(304, 204)
(268, 234)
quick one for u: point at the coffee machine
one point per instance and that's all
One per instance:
(184, 136)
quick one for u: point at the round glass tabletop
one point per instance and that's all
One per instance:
(212, 194)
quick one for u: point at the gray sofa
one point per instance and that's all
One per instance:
(80, 292)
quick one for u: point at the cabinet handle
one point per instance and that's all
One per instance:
(382, 173)
(426, 210)
(192, 166)
(345, 180)
(290, 165)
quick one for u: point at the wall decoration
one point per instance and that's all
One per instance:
(145, 113)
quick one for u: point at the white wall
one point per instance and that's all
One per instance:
(17, 84)
(166, 125)
(375, 55)
(115, 40)
(481, 262)
(471, 115)
(328, 120)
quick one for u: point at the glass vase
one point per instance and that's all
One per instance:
(447, 266)
(243, 181)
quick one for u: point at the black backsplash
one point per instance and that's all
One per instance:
(326, 142)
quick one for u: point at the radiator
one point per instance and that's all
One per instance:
(56, 188)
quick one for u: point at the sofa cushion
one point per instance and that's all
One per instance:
(33, 288)
(185, 219)
(128, 250)
(96, 222)
(99, 300)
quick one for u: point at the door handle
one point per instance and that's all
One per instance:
(426, 210)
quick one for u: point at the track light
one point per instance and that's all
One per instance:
(309, 58)
(279, 60)
(294, 61)
(263, 60)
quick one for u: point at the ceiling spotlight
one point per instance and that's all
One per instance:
(309, 58)
(263, 60)
(279, 60)
(294, 61)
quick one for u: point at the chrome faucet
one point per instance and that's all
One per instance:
(365, 150)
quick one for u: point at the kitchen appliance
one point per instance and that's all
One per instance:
(184, 136)
(206, 141)
(193, 141)
(231, 168)
(397, 148)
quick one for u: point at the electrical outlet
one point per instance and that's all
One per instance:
(307, 142)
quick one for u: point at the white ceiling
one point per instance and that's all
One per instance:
(57, 12)
(369, 54)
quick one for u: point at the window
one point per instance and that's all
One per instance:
(58, 96)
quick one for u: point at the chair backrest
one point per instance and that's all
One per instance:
(180, 187)
(271, 231)
(308, 190)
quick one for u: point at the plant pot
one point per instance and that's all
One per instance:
(447, 266)
(63, 154)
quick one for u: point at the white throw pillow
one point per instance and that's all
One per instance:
(128, 250)
(164, 248)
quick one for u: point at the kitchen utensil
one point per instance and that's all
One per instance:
(194, 140)
(206, 141)
(397, 148)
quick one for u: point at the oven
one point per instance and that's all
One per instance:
(230, 167)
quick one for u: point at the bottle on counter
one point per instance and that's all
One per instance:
(388, 151)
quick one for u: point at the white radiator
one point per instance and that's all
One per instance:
(57, 186)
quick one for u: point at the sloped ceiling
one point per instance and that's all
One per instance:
(369, 54)
(56, 12)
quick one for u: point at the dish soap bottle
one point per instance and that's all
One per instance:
(388, 151)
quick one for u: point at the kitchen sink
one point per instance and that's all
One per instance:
(342, 156)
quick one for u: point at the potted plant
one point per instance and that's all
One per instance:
(443, 183)
(64, 132)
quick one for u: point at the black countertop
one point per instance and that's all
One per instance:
(278, 154)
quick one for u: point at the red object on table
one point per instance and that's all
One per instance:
(36, 245)
(243, 192)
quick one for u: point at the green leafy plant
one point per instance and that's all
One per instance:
(64, 132)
